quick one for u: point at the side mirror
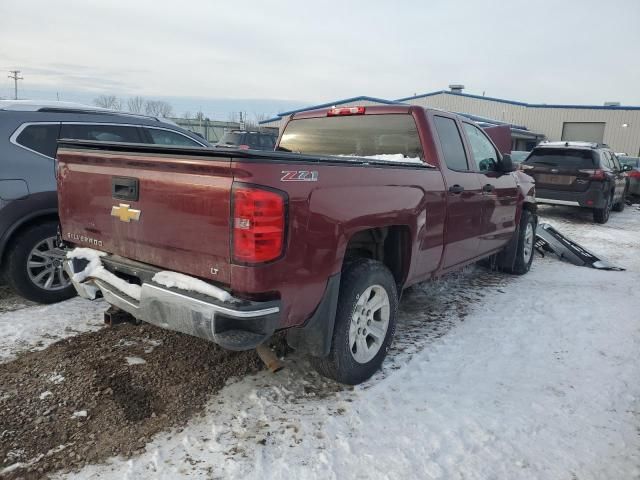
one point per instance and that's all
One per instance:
(506, 164)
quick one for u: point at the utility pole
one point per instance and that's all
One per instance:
(15, 74)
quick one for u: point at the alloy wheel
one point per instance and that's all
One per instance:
(45, 266)
(528, 242)
(369, 324)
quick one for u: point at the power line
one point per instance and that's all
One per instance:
(15, 75)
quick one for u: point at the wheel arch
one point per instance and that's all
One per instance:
(390, 244)
(34, 218)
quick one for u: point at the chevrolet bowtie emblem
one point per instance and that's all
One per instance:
(124, 213)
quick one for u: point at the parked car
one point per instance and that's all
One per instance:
(579, 174)
(234, 245)
(633, 175)
(31, 259)
(518, 156)
(248, 140)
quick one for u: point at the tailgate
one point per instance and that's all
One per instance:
(569, 180)
(169, 210)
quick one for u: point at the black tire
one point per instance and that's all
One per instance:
(619, 207)
(16, 271)
(525, 250)
(601, 215)
(357, 277)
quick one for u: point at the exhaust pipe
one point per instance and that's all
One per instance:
(269, 358)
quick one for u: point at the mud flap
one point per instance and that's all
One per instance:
(548, 239)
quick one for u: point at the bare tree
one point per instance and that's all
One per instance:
(199, 116)
(136, 104)
(108, 101)
(233, 117)
(187, 115)
(158, 108)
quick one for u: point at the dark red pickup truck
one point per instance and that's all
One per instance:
(319, 237)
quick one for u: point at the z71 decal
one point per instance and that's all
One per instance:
(299, 176)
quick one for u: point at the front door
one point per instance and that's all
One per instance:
(499, 191)
(463, 224)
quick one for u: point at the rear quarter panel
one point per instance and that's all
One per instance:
(325, 214)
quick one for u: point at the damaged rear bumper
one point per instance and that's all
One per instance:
(235, 325)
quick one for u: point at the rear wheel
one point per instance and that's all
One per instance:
(601, 215)
(365, 323)
(34, 265)
(619, 207)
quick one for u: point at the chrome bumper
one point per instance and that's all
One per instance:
(550, 201)
(235, 325)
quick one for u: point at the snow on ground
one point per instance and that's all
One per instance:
(539, 380)
(36, 327)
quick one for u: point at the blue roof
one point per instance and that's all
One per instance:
(269, 120)
(522, 104)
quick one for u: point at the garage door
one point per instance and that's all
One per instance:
(583, 131)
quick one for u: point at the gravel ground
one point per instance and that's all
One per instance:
(106, 393)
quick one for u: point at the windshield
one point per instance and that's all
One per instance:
(561, 157)
(358, 135)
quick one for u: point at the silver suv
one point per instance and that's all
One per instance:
(31, 261)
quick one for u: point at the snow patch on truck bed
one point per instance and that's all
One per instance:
(185, 282)
(388, 157)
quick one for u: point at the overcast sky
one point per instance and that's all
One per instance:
(561, 51)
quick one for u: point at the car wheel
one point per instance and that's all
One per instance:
(34, 265)
(526, 245)
(619, 207)
(601, 215)
(365, 323)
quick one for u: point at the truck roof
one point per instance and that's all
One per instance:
(572, 144)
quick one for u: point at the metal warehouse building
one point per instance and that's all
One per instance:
(616, 125)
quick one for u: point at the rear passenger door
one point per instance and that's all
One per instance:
(463, 224)
(499, 191)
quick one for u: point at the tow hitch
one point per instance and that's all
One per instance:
(548, 239)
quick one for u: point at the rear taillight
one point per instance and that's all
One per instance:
(243, 147)
(594, 174)
(332, 112)
(634, 174)
(258, 224)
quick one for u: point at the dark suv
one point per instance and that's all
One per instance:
(248, 140)
(30, 258)
(580, 174)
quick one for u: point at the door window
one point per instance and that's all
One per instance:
(102, 133)
(167, 137)
(40, 138)
(607, 164)
(616, 162)
(484, 154)
(451, 143)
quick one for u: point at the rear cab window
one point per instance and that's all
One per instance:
(562, 157)
(355, 135)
